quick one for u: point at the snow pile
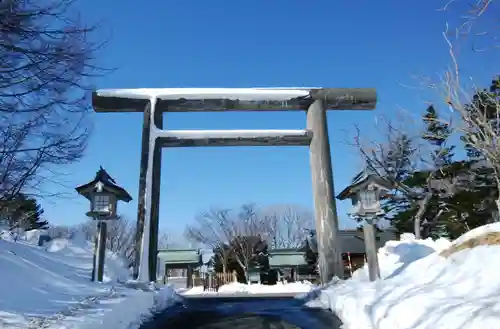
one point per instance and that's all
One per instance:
(235, 288)
(195, 291)
(127, 309)
(7, 235)
(82, 253)
(395, 255)
(452, 288)
(293, 287)
(33, 236)
(50, 287)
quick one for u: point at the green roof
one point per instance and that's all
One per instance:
(180, 256)
(286, 258)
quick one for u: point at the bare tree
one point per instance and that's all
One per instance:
(167, 241)
(234, 234)
(221, 228)
(46, 58)
(478, 109)
(210, 230)
(119, 238)
(286, 226)
(248, 231)
(60, 231)
(472, 21)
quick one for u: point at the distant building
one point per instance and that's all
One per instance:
(353, 246)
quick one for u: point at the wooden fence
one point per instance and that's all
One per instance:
(213, 281)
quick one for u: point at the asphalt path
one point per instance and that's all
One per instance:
(243, 312)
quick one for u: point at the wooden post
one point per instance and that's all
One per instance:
(141, 200)
(190, 276)
(94, 258)
(166, 274)
(325, 211)
(153, 194)
(206, 282)
(349, 263)
(155, 202)
(101, 250)
(371, 250)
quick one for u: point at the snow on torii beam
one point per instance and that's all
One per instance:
(154, 102)
(233, 99)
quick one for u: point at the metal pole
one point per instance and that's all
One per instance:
(325, 210)
(101, 250)
(371, 250)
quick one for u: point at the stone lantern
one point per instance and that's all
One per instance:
(103, 194)
(365, 192)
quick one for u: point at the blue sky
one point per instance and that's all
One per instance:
(222, 43)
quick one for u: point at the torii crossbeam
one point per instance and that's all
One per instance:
(314, 101)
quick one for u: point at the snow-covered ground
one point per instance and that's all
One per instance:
(425, 285)
(50, 287)
(255, 289)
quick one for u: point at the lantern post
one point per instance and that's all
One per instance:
(366, 192)
(103, 194)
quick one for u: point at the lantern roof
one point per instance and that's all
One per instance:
(365, 177)
(103, 182)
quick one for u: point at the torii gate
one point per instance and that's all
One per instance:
(315, 101)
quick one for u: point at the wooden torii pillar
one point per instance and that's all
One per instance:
(315, 101)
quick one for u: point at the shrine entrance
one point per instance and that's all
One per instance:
(186, 260)
(314, 101)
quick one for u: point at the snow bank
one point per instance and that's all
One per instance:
(82, 253)
(235, 287)
(125, 310)
(50, 287)
(196, 291)
(7, 235)
(298, 287)
(33, 236)
(396, 255)
(421, 289)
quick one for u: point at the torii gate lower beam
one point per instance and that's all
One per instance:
(315, 101)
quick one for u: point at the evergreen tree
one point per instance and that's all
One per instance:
(463, 192)
(480, 191)
(437, 133)
(404, 210)
(397, 167)
(458, 195)
(484, 104)
(32, 212)
(24, 212)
